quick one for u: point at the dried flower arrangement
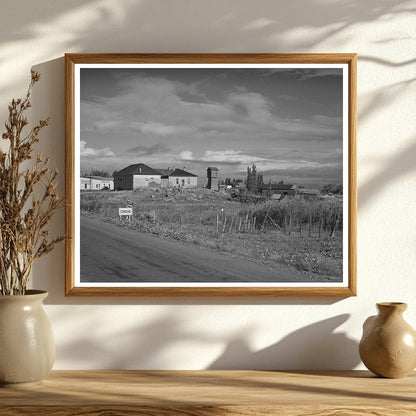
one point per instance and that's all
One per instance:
(28, 199)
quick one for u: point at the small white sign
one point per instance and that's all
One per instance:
(125, 211)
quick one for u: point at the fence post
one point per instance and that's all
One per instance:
(225, 223)
(231, 225)
(335, 226)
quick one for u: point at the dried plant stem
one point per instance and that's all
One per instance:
(23, 217)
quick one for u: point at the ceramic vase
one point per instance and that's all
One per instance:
(27, 347)
(388, 345)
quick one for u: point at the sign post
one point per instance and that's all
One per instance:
(125, 212)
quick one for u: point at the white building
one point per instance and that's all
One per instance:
(136, 176)
(143, 176)
(96, 183)
(179, 178)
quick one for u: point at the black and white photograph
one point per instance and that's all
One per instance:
(216, 175)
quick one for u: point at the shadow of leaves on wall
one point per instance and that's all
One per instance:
(52, 28)
(315, 346)
(152, 345)
(397, 166)
(140, 346)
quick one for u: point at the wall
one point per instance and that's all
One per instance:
(123, 182)
(143, 181)
(188, 182)
(198, 333)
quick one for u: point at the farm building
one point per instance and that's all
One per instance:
(136, 176)
(95, 183)
(178, 177)
(309, 193)
(279, 190)
(142, 176)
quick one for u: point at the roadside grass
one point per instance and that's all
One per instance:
(269, 232)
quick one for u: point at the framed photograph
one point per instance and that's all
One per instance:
(211, 174)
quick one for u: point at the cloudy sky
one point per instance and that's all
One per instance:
(288, 122)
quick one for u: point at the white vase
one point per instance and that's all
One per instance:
(27, 347)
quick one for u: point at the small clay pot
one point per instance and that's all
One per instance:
(388, 345)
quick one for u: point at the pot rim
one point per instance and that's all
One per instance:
(392, 306)
(391, 303)
(30, 294)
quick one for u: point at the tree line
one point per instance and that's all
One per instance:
(254, 182)
(96, 172)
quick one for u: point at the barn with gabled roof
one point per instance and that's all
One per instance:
(136, 176)
(140, 175)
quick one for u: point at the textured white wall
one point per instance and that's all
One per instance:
(198, 333)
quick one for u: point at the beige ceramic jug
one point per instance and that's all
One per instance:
(388, 344)
(27, 347)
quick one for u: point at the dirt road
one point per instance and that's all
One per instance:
(114, 254)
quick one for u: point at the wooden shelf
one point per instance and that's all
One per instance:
(203, 393)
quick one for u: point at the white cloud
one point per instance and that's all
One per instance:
(254, 106)
(90, 152)
(186, 155)
(147, 107)
(228, 156)
(241, 159)
(159, 129)
(106, 125)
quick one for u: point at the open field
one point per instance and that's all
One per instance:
(136, 257)
(305, 236)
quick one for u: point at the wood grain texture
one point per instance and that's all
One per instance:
(352, 175)
(341, 292)
(210, 411)
(173, 58)
(202, 393)
(69, 175)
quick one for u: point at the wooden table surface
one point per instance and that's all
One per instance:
(202, 393)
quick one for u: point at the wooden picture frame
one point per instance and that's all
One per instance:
(229, 97)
